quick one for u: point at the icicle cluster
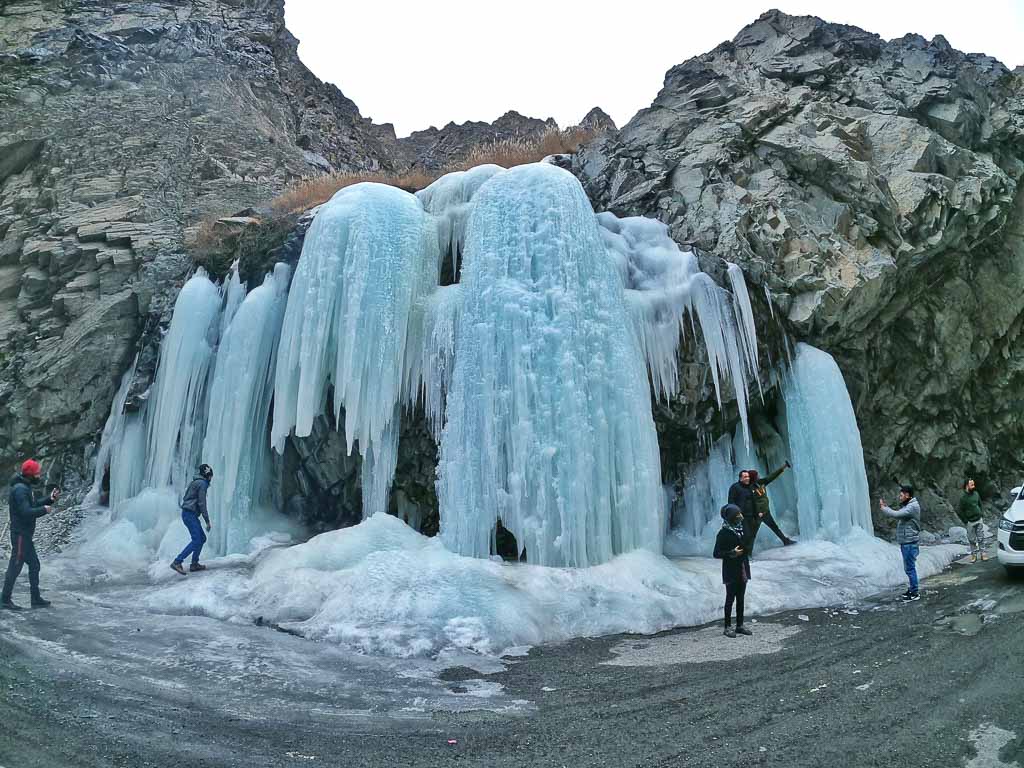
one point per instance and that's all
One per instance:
(825, 448)
(175, 423)
(368, 259)
(236, 442)
(664, 287)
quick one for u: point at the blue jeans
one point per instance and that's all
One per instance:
(195, 529)
(910, 563)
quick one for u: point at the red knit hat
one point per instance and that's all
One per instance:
(31, 468)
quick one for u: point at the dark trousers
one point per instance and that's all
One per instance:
(195, 530)
(22, 551)
(751, 525)
(734, 591)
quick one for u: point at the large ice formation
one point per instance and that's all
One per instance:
(236, 435)
(825, 447)
(535, 370)
(175, 414)
(549, 425)
(367, 261)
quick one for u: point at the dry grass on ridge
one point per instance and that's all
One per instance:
(306, 193)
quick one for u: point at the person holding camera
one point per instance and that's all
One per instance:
(193, 505)
(729, 548)
(24, 511)
(908, 534)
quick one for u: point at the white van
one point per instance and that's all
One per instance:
(1011, 533)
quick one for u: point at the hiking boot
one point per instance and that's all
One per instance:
(39, 602)
(974, 558)
(9, 605)
(197, 567)
(741, 630)
(176, 567)
(984, 557)
(729, 632)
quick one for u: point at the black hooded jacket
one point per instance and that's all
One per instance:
(23, 507)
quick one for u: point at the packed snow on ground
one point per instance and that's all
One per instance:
(382, 588)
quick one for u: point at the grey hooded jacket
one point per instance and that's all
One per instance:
(908, 530)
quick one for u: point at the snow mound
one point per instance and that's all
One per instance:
(381, 588)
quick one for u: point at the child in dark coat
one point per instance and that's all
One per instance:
(729, 548)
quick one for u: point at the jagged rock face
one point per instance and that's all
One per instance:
(598, 121)
(434, 148)
(124, 125)
(873, 188)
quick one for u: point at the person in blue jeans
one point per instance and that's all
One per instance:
(908, 534)
(193, 505)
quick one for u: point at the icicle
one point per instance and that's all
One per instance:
(549, 425)
(234, 294)
(768, 298)
(429, 375)
(369, 257)
(825, 448)
(237, 438)
(448, 199)
(113, 429)
(175, 413)
(744, 319)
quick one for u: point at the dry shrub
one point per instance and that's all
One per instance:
(306, 193)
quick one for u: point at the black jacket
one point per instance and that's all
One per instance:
(734, 567)
(743, 497)
(23, 508)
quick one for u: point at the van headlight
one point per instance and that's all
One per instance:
(1005, 524)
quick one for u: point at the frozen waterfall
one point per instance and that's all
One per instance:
(825, 447)
(175, 414)
(549, 425)
(236, 442)
(534, 370)
(369, 257)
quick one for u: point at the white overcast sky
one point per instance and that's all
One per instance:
(417, 64)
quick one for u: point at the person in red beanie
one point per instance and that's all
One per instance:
(24, 511)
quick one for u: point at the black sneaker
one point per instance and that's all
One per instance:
(741, 630)
(39, 602)
(10, 605)
(914, 596)
(729, 632)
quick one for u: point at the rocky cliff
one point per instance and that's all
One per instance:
(872, 190)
